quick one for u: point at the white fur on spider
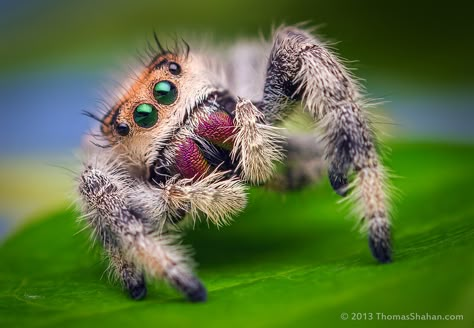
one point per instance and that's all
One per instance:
(136, 190)
(257, 145)
(217, 198)
(122, 232)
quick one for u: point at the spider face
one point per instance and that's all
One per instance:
(149, 102)
(152, 107)
(158, 121)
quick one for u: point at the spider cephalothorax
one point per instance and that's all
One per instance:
(185, 138)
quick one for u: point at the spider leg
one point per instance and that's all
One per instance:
(129, 238)
(301, 68)
(256, 145)
(216, 196)
(131, 277)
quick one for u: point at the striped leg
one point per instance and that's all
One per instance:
(301, 68)
(133, 245)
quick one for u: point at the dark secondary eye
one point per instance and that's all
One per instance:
(165, 92)
(123, 129)
(145, 115)
(174, 68)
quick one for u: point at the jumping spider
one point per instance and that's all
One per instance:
(181, 142)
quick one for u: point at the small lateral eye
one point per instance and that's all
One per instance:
(165, 92)
(174, 68)
(123, 129)
(145, 115)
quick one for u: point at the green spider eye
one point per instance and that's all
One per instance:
(165, 92)
(145, 115)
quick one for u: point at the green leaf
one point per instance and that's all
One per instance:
(289, 260)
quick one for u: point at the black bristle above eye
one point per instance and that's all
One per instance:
(93, 116)
(180, 48)
(161, 49)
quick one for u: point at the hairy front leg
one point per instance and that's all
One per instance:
(132, 243)
(131, 277)
(257, 146)
(216, 196)
(301, 68)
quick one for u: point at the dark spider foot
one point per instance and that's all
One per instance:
(192, 288)
(339, 183)
(198, 294)
(381, 251)
(379, 243)
(137, 292)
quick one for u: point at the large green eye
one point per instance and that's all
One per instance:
(165, 92)
(145, 115)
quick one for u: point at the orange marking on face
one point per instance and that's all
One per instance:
(141, 91)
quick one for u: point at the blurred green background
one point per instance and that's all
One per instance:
(55, 58)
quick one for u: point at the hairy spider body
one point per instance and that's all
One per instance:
(182, 142)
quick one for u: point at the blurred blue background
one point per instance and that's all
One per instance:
(55, 58)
